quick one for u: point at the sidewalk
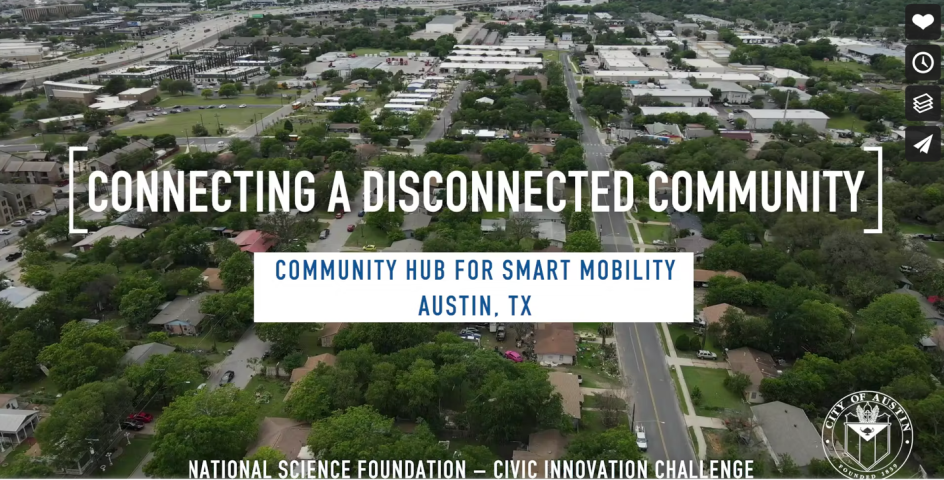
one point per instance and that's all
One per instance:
(674, 363)
(692, 362)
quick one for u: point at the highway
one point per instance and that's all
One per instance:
(641, 357)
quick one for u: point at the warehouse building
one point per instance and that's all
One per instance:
(731, 92)
(778, 75)
(462, 59)
(21, 51)
(704, 65)
(163, 7)
(447, 67)
(445, 24)
(141, 96)
(630, 76)
(742, 79)
(765, 119)
(535, 42)
(621, 60)
(650, 50)
(241, 74)
(484, 53)
(758, 40)
(75, 92)
(688, 97)
(508, 48)
(141, 72)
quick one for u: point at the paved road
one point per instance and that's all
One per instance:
(248, 347)
(438, 130)
(641, 357)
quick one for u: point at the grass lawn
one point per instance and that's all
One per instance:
(913, 228)
(196, 100)
(366, 235)
(203, 342)
(131, 456)
(310, 344)
(643, 210)
(269, 394)
(678, 390)
(834, 66)
(592, 378)
(847, 121)
(587, 327)
(676, 329)
(592, 420)
(551, 55)
(654, 232)
(593, 401)
(230, 118)
(17, 452)
(715, 398)
(935, 249)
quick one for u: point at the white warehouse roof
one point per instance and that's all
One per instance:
(726, 77)
(789, 115)
(487, 66)
(458, 58)
(671, 92)
(686, 110)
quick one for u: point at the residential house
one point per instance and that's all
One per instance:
(755, 364)
(9, 401)
(930, 313)
(697, 130)
(181, 316)
(254, 241)
(212, 278)
(568, 386)
(696, 244)
(542, 151)
(311, 364)
(413, 222)
(488, 225)
(542, 446)
(654, 166)
(409, 245)
(16, 426)
(344, 128)
(787, 431)
(283, 434)
(555, 343)
(106, 163)
(554, 232)
(662, 188)
(713, 314)
(20, 296)
(329, 331)
(517, 78)
(485, 101)
(703, 276)
(664, 130)
(116, 232)
(544, 215)
(140, 354)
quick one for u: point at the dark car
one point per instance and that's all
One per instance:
(132, 425)
(324, 234)
(227, 377)
(13, 256)
(360, 213)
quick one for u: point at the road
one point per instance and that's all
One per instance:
(438, 130)
(248, 347)
(642, 360)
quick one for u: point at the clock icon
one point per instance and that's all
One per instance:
(923, 62)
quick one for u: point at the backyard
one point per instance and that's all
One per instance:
(269, 394)
(310, 343)
(642, 210)
(716, 401)
(847, 121)
(654, 232)
(131, 455)
(676, 329)
(835, 66)
(935, 249)
(365, 234)
(178, 124)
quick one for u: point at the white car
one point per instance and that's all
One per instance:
(39, 213)
(242, 106)
(19, 223)
(221, 144)
(5, 231)
(706, 355)
(641, 441)
(222, 106)
(658, 242)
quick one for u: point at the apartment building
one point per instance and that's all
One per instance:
(20, 200)
(24, 170)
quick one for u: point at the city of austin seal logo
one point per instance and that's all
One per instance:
(867, 435)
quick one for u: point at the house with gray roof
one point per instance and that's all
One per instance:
(554, 232)
(492, 225)
(788, 431)
(695, 244)
(545, 215)
(20, 296)
(181, 316)
(930, 312)
(106, 163)
(16, 426)
(408, 245)
(141, 353)
(414, 221)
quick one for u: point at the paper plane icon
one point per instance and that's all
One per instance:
(924, 144)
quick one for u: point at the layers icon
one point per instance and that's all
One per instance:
(922, 103)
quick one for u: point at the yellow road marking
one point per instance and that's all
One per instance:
(651, 396)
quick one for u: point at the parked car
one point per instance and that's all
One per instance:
(13, 256)
(350, 227)
(227, 377)
(324, 234)
(641, 441)
(706, 355)
(370, 248)
(360, 213)
(222, 106)
(39, 213)
(242, 106)
(339, 215)
(221, 144)
(514, 356)
(19, 223)
(500, 334)
(141, 417)
(131, 425)
(5, 231)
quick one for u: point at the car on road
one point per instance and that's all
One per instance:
(242, 106)
(324, 234)
(370, 248)
(5, 231)
(350, 228)
(39, 213)
(141, 121)
(222, 106)
(641, 441)
(339, 215)
(658, 242)
(13, 256)
(19, 223)
(706, 355)
(360, 213)
(227, 377)
(141, 417)
(131, 425)
(221, 144)
(201, 107)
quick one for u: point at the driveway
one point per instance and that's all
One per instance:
(248, 347)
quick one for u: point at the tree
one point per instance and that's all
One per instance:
(737, 383)
(218, 424)
(206, 93)
(162, 378)
(322, 391)
(789, 82)
(284, 337)
(605, 330)
(356, 433)
(91, 411)
(95, 119)
(138, 306)
(615, 444)
(385, 220)
(164, 140)
(381, 138)
(228, 90)
(236, 271)
(19, 357)
(403, 142)
(199, 130)
(583, 241)
(78, 139)
(740, 123)
(84, 354)
(223, 249)
(233, 310)
(115, 86)
(287, 126)
(581, 221)
(178, 87)
(268, 455)
(505, 408)
(897, 309)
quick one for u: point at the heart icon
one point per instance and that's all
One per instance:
(923, 21)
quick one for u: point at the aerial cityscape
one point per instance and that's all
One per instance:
(131, 350)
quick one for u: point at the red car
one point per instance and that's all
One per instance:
(141, 417)
(350, 228)
(339, 215)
